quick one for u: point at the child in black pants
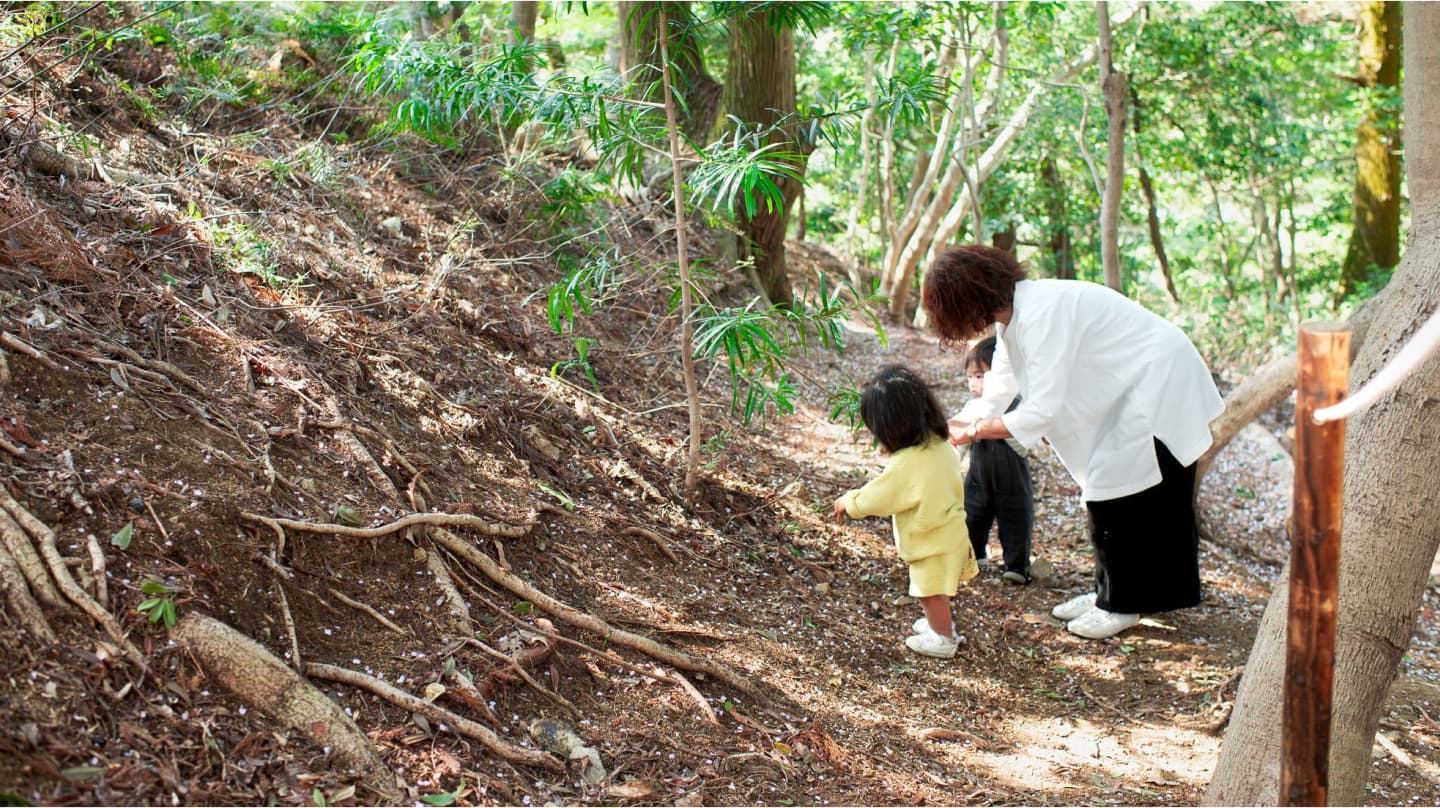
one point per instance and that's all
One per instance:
(997, 487)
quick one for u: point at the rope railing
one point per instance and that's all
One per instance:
(1420, 347)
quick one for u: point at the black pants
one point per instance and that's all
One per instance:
(1147, 546)
(997, 488)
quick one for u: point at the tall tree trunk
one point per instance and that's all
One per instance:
(522, 21)
(1056, 209)
(862, 196)
(1392, 518)
(760, 89)
(696, 91)
(937, 226)
(1375, 237)
(1152, 212)
(1226, 271)
(1112, 84)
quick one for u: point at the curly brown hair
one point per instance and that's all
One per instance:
(965, 287)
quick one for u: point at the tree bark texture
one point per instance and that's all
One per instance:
(1112, 84)
(760, 89)
(1391, 532)
(1375, 236)
(1324, 362)
(1152, 211)
(523, 14)
(1062, 252)
(260, 680)
(639, 62)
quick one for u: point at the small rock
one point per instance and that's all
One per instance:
(394, 224)
(903, 600)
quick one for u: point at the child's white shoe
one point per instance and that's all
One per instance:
(931, 644)
(921, 625)
(1074, 607)
(1099, 624)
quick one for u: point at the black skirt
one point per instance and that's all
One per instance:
(1147, 545)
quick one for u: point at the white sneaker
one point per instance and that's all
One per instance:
(922, 625)
(1098, 624)
(933, 645)
(1074, 607)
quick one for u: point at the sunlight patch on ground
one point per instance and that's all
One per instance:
(1145, 757)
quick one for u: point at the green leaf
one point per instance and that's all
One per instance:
(568, 503)
(82, 772)
(444, 797)
(346, 515)
(154, 587)
(123, 536)
(524, 606)
(318, 797)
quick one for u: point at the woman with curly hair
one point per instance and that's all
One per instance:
(1122, 396)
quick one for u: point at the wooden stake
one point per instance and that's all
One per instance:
(1324, 368)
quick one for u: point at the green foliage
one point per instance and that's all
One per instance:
(580, 362)
(444, 797)
(123, 536)
(240, 250)
(160, 606)
(742, 170)
(757, 343)
(581, 287)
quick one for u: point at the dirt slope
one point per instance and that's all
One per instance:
(197, 341)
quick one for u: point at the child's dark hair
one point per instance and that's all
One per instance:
(901, 410)
(982, 355)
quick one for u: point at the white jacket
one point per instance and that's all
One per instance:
(1099, 376)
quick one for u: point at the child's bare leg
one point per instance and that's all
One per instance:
(937, 612)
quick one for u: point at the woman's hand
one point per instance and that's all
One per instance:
(959, 433)
(840, 511)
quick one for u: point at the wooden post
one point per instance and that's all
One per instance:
(1324, 368)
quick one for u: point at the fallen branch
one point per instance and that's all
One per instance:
(264, 683)
(429, 519)
(612, 635)
(440, 715)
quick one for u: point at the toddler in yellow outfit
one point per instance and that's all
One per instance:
(923, 489)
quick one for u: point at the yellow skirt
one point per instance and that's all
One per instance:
(941, 574)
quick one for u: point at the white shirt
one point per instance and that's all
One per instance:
(1100, 377)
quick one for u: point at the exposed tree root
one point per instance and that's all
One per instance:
(589, 622)
(430, 519)
(440, 715)
(61, 575)
(655, 539)
(367, 609)
(517, 664)
(17, 544)
(97, 571)
(263, 682)
(14, 343)
(454, 601)
(19, 600)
